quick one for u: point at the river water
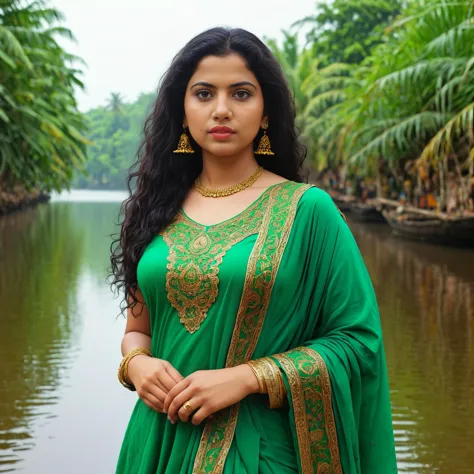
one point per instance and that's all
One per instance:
(62, 410)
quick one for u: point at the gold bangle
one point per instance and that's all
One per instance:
(123, 368)
(281, 385)
(270, 380)
(257, 370)
(282, 388)
(274, 383)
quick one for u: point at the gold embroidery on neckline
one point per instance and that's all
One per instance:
(195, 254)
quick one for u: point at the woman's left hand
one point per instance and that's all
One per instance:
(208, 391)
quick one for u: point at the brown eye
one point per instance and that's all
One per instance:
(203, 95)
(242, 94)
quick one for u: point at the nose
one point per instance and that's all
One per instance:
(222, 110)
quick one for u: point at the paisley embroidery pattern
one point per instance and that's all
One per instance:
(195, 253)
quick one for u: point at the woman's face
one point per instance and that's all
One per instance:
(223, 92)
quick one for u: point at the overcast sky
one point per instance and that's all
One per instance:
(129, 45)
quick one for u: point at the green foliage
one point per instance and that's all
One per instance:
(317, 89)
(347, 30)
(323, 75)
(410, 100)
(41, 131)
(115, 133)
(422, 81)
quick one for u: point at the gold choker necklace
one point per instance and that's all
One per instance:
(217, 193)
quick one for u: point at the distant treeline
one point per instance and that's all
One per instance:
(115, 131)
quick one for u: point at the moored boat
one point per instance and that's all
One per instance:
(364, 212)
(441, 229)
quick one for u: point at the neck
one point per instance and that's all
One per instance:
(223, 171)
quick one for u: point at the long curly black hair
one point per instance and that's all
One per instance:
(159, 180)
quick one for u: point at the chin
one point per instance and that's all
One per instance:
(222, 149)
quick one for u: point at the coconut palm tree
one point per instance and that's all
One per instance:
(115, 103)
(419, 98)
(317, 90)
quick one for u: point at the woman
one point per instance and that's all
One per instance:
(253, 337)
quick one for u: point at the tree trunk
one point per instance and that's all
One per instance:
(378, 183)
(443, 183)
(464, 189)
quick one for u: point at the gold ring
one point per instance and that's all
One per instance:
(187, 406)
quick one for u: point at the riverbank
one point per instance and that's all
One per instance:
(19, 198)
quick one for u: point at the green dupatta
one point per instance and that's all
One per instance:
(336, 381)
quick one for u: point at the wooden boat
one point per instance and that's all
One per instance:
(361, 212)
(441, 229)
(365, 212)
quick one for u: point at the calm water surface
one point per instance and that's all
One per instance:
(62, 410)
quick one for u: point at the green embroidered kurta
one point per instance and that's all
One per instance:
(284, 279)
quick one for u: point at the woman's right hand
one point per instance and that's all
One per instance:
(153, 379)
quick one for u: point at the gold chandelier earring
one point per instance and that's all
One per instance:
(264, 147)
(184, 145)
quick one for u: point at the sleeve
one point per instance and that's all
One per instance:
(336, 381)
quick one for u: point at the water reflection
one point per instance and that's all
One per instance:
(426, 297)
(41, 252)
(60, 339)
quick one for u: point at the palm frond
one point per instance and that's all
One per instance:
(322, 101)
(7, 60)
(403, 135)
(409, 77)
(61, 32)
(461, 124)
(12, 46)
(338, 69)
(455, 39)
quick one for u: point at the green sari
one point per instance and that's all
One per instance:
(285, 279)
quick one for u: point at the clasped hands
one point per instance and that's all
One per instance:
(194, 398)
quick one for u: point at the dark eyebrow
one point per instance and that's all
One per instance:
(243, 83)
(212, 86)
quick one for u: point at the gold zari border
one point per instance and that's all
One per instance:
(314, 388)
(262, 268)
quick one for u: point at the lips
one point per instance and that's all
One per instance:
(220, 129)
(221, 133)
